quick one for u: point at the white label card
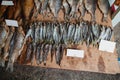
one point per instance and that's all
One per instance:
(107, 46)
(7, 3)
(75, 53)
(11, 22)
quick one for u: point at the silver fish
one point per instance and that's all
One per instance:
(64, 30)
(41, 53)
(38, 54)
(52, 6)
(56, 34)
(37, 33)
(46, 50)
(104, 7)
(59, 53)
(29, 51)
(77, 36)
(90, 5)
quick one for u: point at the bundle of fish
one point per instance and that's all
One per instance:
(46, 37)
(71, 8)
(11, 45)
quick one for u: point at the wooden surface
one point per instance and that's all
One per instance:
(94, 60)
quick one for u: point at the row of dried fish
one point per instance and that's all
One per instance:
(46, 37)
(72, 7)
(68, 33)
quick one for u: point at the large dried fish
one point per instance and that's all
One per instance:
(73, 4)
(18, 47)
(44, 9)
(7, 46)
(27, 7)
(67, 9)
(90, 5)
(104, 7)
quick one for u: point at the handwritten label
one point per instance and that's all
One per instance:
(75, 53)
(11, 22)
(7, 3)
(107, 46)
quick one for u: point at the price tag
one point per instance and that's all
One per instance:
(75, 53)
(7, 3)
(107, 46)
(11, 22)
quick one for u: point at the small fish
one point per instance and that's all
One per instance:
(37, 33)
(90, 6)
(29, 51)
(56, 34)
(59, 54)
(64, 31)
(46, 50)
(38, 54)
(77, 36)
(41, 53)
(104, 7)
(52, 6)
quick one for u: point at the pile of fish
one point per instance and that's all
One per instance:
(71, 8)
(43, 38)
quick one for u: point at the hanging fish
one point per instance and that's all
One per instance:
(41, 53)
(90, 6)
(38, 54)
(4, 30)
(44, 8)
(38, 4)
(73, 4)
(104, 7)
(46, 50)
(27, 7)
(67, 9)
(18, 47)
(59, 53)
(56, 34)
(7, 45)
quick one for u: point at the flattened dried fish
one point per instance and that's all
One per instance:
(90, 5)
(46, 50)
(104, 7)
(18, 47)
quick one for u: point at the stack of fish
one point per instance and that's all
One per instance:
(47, 37)
(71, 8)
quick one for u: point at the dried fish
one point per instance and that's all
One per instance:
(46, 50)
(18, 47)
(104, 7)
(73, 3)
(44, 8)
(56, 34)
(90, 5)
(38, 54)
(67, 9)
(59, 53)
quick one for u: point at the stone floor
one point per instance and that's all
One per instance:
(22, 72)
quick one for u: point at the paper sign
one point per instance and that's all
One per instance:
(107, 46)
(111, 2)
(75, 53)
(116, 19)
(7, 3)
(11, 22)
